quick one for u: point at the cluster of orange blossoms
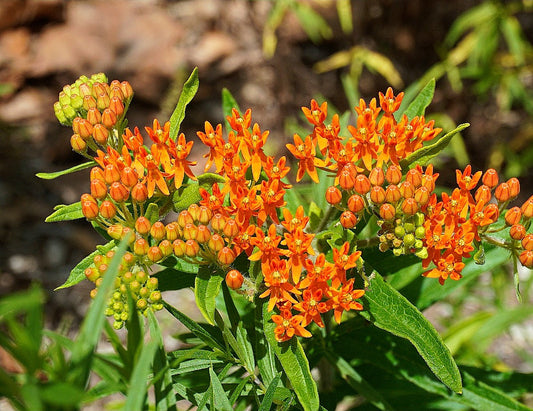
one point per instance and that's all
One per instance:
(242, 211)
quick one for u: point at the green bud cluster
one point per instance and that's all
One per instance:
(403, 235)
(70, 103)
(132, 280)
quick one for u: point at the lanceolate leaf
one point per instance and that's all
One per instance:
(294, 362)
(228, 102)
(51, 176)
(426, 153)
(422, 100)
(189, 90)
(78, 273)
(65, 213)
(207, 286)
(389, 310)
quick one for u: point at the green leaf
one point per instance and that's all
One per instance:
(391, 311)
(190, 193)
(221, 400)
(138, 387)
(228, 102)
(51, 176)
(269, 394)
(294, 362)
(164, 396)
(21, 301)
(206, 289)
(189, 90)
(198, 330)
(65, 213)
(356, 381)
(170, 279)
(419, 104)
(266, 360)
(152, 213)
(78, 273)
(92, 326)
(426, 153)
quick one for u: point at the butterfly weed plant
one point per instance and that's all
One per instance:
(296, 262)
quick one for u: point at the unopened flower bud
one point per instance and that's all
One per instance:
(226, 256)
(514, 187)
(85, 129)
(109, 118)
(526, 258)
(89, 102)
(158, 231)
(111, 173)
(127, 90)
(184, 218)
(346, 180)
(348, 219)
(93, 116)
(218, 222)
(92, 274)
(517, 232)
(191, 248)
(215, 243)
(393, 174)
(490, 178)
(77, 143)
(116, 106)
(172, 231)
(422, 195)
(142, 225)
(115, 231)
(407, 189)
(513, 216)
(483, 194)
(502, 192)
(377, 195)
(203, 235)
(178, 247)
(527, 242)
(108, 209)
(102, 101)
(128, 177)
(362, 184)
(376, 176)
(527, 208)
(231, 229)
(190, 231)
(414, 177)
(118, 192)
(356, 203)
(387, 212)
(333, 195)
(89, 209)
(154, 254)
(204, 215)
(392, 194)
(194, 211)
(234, 279)
(139, 193)
(100, 134)
(166, 247)
(409, 206)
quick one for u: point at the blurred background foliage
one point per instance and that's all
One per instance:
(273, 56)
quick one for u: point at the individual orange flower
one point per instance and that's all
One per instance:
(154, 176)
(212, 138)
(180, 165)
(345, 298)
(214, 201)
(319, 273)
(366, 148)
(276, 277)
(235, 174)
(389, 103)
(312, 307)
(277, 171)
(240, 123)
(343, 262)
(272, 200)
(255, 141)
(245, 204)
(288, 326)
(267, 244)
(316, 114)
(159, 148)
(305, 152)
(467, 181)
(299, 247)
(447, 267)
(292, 223)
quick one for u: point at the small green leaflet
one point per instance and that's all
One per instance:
(65, 213)
(189, 91)
(51, 176)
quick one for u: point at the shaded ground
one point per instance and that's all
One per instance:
(45, 44)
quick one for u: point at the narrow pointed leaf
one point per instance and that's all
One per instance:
(207, 286)
(264, 354)
(221, 400)
(189, 91)
(392, 312)
(78, 273)
(138, 386)
(51, 176)
(426, 153)
(269, 394)
(419, 104)
(66, 213)
(295, 364)
(228, 102)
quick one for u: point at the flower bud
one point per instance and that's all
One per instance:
(85, 129)
(194, 211)
(89, 102)
(414, 177)
(517, 232)
(158, 231)
(348, 219)
(142, 225)
(346, 179)
(231, 229)
(139, 193)
(483, 194)
(422, 195)
(362, 184)
(527, 208)
(118, 192)
(513, 216)
(502, 192)
(333, 195)
(204, 215)
(215, 243)
(409, 206)
(526, 258)
(527, 242)
(393, 194)
(356, 203)
(376, 176)
(77, 143)
(111, 173)
(154, 254)
(94, 116)
(100, 134)
(377, 195)
(89, 209)
(128, 177)
(218, 222)
(155, 296)
(184, 218)
(102, 101)
(109, 118)
(428, 182)
(203, 235)
(115, 231)
(491, 211)
(179, 247)
(407, 189)
(514, 187)
(234, 279)
(226, 256)
(490, 178)
(108, 209)
(191, 248)
(92, 274)
(127, 90)
(116, 106)
(387, 212)
(172, 231)
(166, 247)
(393, 174)
(189, 231)
(98, 189)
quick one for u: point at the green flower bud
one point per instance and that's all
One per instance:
(422, 253)
(420, 232)
(409, 227)
(117, 325)
(409, 240)
(399, 231)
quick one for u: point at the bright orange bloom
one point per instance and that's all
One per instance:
(305, 152)
(344, 299)
(343, 262)
(277, 171)
(255, 141)
(299, 247)
(288, 326)
(267, 244)
(154, 176)
(180, 165)
(312, 306)
(388, 102)
(316, 114)
(159, 148)
(467, 181)
(215, 201)
(319, 273)
(277, 273)
(292, 223)
(212, 138)
(272, 197)
(447, 267)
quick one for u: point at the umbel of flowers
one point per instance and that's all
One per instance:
(239, 210)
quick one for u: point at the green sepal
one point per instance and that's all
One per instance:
(51, 176)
